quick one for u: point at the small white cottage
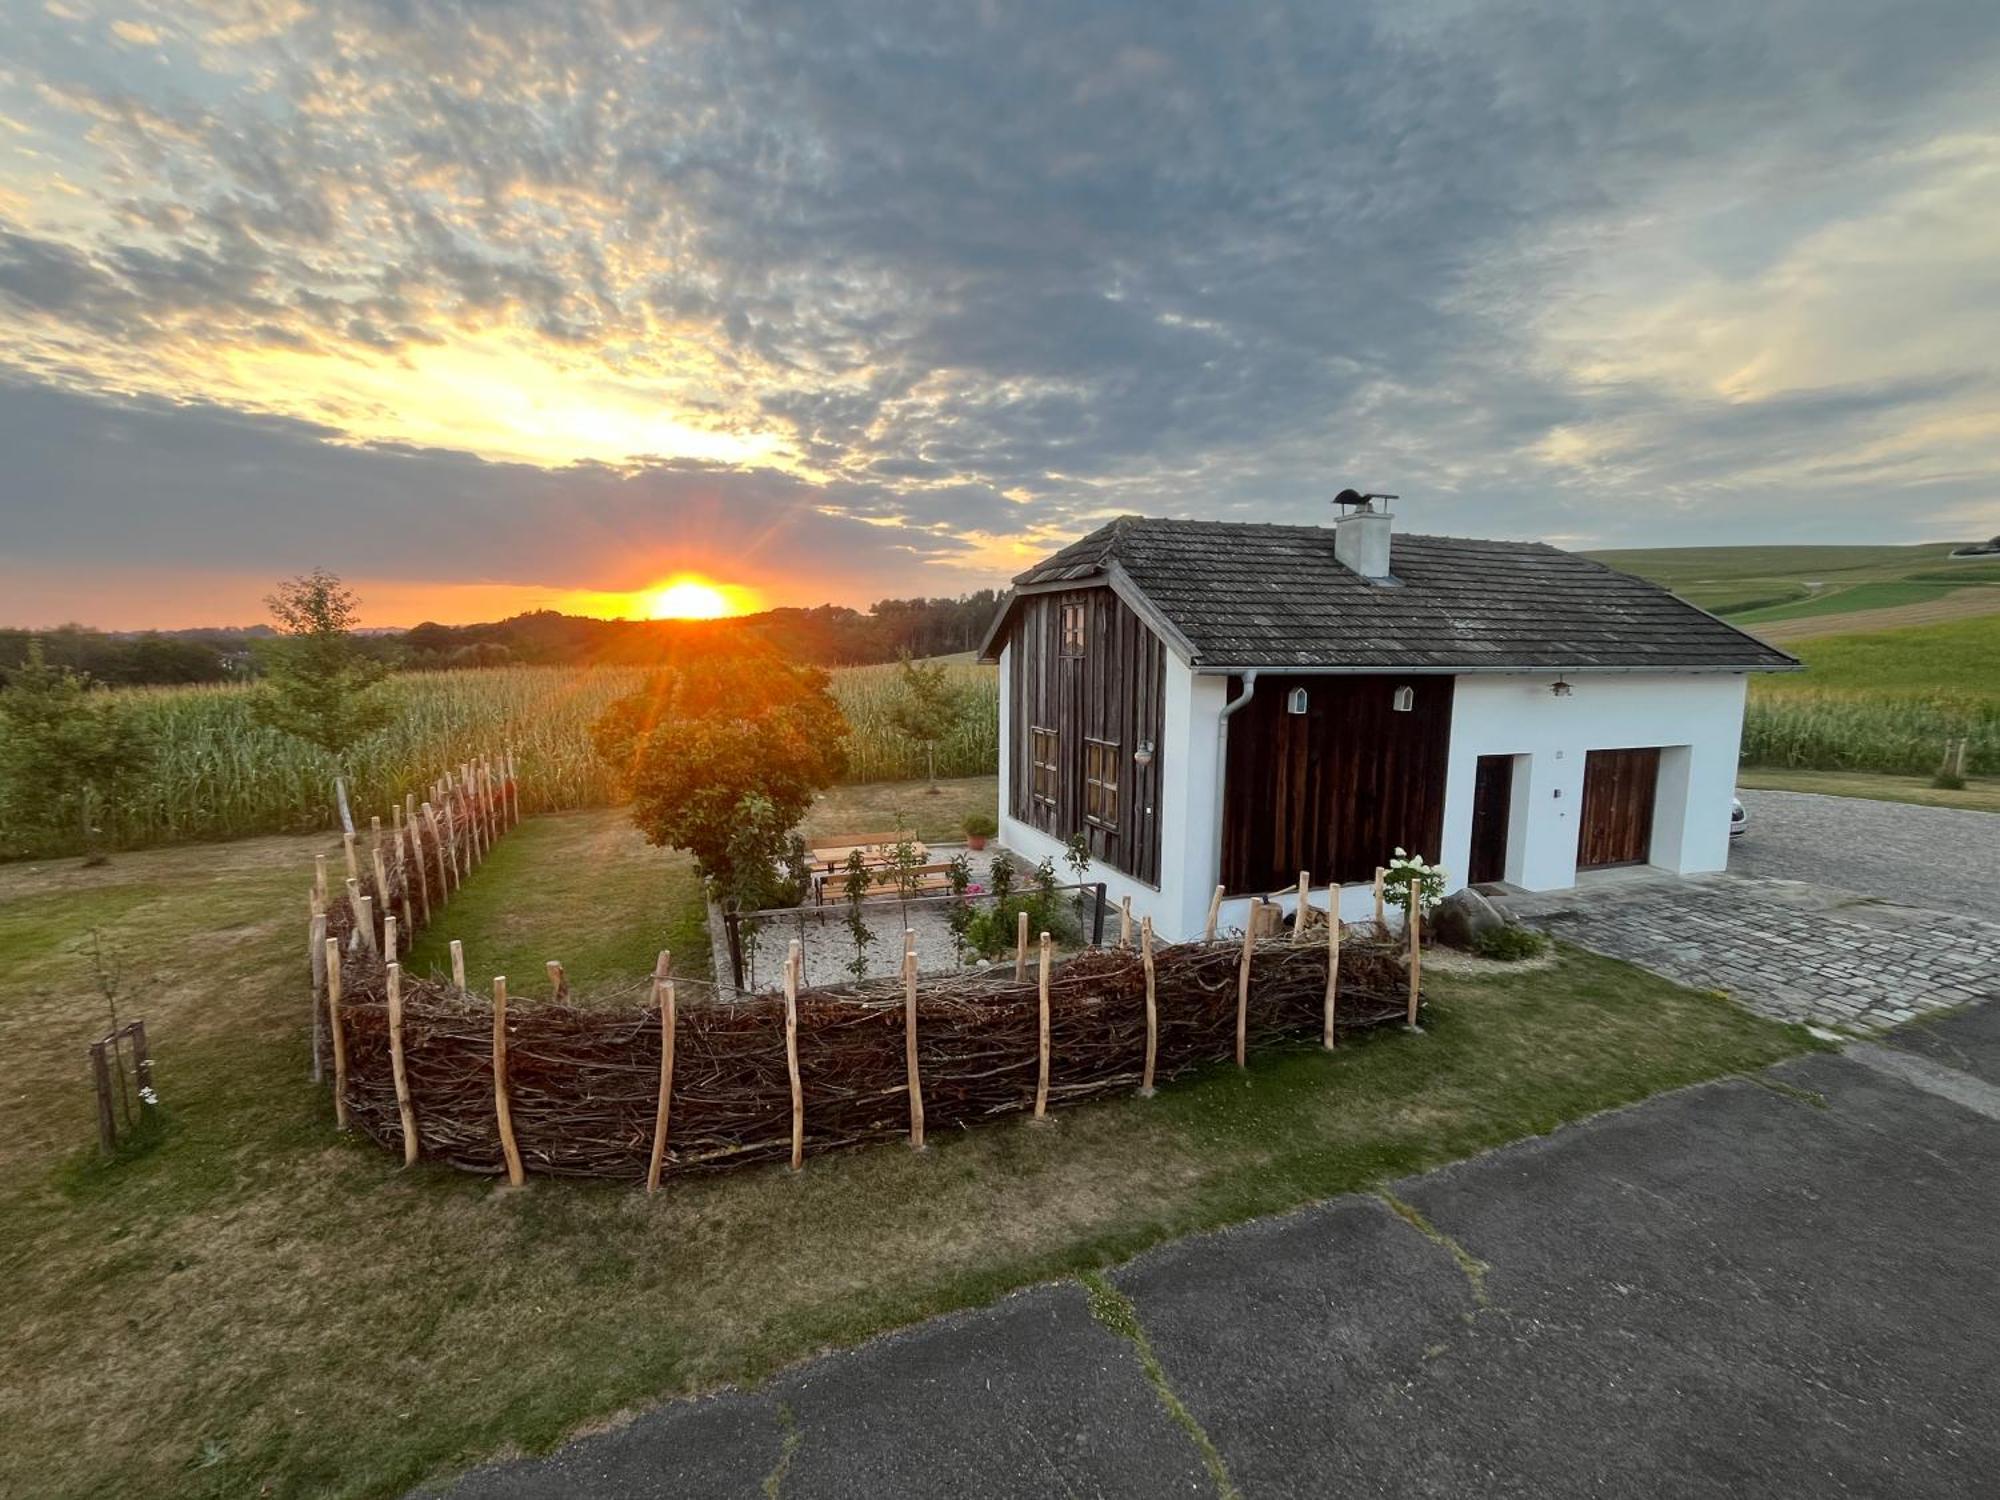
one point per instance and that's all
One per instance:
(1215, 703)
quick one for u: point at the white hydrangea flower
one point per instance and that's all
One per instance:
(149, 1094)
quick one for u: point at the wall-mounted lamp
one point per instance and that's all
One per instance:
(1143, 756)
(1560, 688)
(1405, 700)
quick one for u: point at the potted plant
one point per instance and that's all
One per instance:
(978, 829)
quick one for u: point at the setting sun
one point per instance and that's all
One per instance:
(690, 598)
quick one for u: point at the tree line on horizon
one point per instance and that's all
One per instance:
(829, 635)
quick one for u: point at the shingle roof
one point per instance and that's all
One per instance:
(1249, 595)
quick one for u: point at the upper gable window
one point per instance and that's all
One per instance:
(1072, 630)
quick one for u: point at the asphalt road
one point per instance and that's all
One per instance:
(1942, 857)
(1775, 1286)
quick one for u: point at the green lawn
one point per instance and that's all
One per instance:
(583, 888)
(1978, 796)
(1840, 601)
(890, 806)
(259, 1307)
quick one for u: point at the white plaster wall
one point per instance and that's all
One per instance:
(1696, 717)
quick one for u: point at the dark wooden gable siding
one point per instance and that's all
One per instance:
(1337, 789)
(1115, 693)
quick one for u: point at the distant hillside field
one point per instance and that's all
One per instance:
(1790, 593)
(1882, 701)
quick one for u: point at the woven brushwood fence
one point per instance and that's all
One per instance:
(647, 1088)
(586, 1093)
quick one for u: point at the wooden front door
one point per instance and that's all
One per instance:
(1492, 796)
(1618, 790)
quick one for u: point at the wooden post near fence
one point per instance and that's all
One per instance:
(316, 938)
(1415, 924)
(1299, 918)
(1152, 1006)
(319, 878)
(1124, 921)
(416, 862)
(910, 1040)
(1381, 916)
(1042, 1045)
(516, 1173)
(1332, 962)
(1020, 947)
(399, 1068)
(558, 984)
(794, 962)
(1214, 915)
(663, 996)
(333, 1030)
(368, 924)
(347, 849)
(1243, 983)
(451, 837)
(458, 963)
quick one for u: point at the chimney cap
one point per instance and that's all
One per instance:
(1359, 500)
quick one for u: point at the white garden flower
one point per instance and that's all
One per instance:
(149, 1094)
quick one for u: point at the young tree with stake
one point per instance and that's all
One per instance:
(926, 708)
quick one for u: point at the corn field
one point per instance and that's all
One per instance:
(1833, 730)
(218, 774)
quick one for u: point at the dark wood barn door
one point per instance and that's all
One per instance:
(1618, 791)
(1492, 796)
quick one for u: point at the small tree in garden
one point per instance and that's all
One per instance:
(959, 914)
(66, 751)
(696, 741)
(926, 708)
(904, 862)
(855, 885)
(1076, 854)
(318, 686)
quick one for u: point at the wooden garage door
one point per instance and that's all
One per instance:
(1618, 788)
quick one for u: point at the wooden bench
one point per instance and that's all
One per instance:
(925, 880)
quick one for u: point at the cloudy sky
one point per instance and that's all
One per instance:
(500, 304)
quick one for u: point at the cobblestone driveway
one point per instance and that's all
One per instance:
(1945, 857)
(1786, 949)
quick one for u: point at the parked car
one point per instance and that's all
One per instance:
(1738, 818)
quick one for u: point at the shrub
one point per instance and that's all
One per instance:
(980, 826)
(1510, 944)
(991, 931)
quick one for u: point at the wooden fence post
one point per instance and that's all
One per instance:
(391, 949)
(1214, 915)
(558, 984)
(451, 836)
(1305, 909)
(107, 1119)
(397, 1066)
(417, 862)
(353, 864)
(1042, 1049)
(1243, 983)
(375, 837)
(339, 1037)
(368, 933)
(458, 963)
(319, 878)
(1021, 948)
(437, 846)
(317, 938)
(663, 996)
(794, 962)
(910, 1040)
(1152, 1006)
(1332, 962)
(516, 1173)
(1124, 921)
(1381, 915)
(382, 902)
(1415, 925)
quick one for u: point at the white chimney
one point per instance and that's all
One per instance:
(1361, 534)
